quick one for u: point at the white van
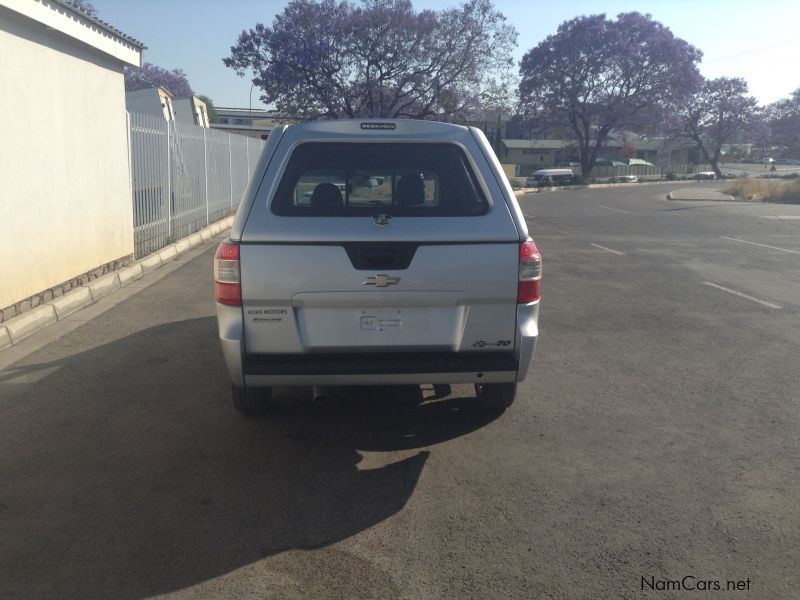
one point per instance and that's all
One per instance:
(548, 177)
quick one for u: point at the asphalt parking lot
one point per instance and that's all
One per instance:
(655, 440)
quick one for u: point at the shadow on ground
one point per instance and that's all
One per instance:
(127, 473)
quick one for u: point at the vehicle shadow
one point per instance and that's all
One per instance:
(127, 473)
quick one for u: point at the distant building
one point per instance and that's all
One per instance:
(192, 111)
(540, 154)
(256, 122)
(530, 155)
(155, 101)
(240, 116)
(742, 150)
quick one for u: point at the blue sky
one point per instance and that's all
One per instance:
(757, 41)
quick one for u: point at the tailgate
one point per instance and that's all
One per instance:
(378, 297)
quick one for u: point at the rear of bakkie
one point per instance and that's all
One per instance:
(377, 252)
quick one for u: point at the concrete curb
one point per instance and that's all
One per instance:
(74, 300)
(5, 338)
(32, 321)
(720, 197)
(168, 253)
(150, 263)
(103, 286)
(129, 274)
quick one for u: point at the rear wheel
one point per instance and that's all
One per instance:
(252, 400)
(495, 396)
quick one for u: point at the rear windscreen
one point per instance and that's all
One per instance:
(337, 179)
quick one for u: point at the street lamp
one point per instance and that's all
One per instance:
(251, 106)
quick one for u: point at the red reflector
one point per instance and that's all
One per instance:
(228, 251)
(228, 293)
(529, 291)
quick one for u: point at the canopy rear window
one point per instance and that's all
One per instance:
(355, 179)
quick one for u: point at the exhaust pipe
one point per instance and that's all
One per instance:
(319, 395)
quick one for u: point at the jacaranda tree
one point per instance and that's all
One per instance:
(597, 75)
(150, 75)
(715, 114)
(377, 58)
(783, 119)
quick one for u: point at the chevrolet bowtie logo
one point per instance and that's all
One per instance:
(381, 281)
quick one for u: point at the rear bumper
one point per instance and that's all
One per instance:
(376, 368)
(527, 334)
(231, 339)
(331, 368)
(381, 379)
(378, 363)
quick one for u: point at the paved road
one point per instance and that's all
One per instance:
(656, 438)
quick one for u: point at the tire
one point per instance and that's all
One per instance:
(251, 400)
(495, 397)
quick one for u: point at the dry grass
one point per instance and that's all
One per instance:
(761, 190)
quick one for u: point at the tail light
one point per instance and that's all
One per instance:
(227, 282)
(529, 288)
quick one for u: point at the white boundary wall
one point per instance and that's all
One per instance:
(65, 197)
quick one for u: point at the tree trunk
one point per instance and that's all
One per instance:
(586, 165)
(587, 160)
(712, 160)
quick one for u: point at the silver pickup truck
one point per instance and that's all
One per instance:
(377, 252)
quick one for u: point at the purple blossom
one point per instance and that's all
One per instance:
(595, 75)
(383, 59)
(153, 76)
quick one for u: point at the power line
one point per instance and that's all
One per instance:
(753, 51)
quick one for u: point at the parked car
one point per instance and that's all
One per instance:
(705, 175)
(550, 177)
(624, 179)
(420, 270)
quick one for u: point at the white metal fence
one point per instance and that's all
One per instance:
(184, 177)
(603, 172)
(651, 172)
